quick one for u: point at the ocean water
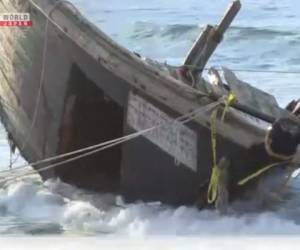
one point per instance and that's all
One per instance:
(264, 37)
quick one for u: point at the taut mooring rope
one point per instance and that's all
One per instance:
(106, 145)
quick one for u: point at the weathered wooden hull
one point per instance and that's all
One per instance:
(94, 91)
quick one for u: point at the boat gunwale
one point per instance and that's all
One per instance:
(189, 95)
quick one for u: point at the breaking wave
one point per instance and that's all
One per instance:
(144, 30)
(32, 207)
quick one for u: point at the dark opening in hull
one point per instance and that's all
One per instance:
(90, 117)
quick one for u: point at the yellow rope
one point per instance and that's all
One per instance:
(231, 99)
(259, 172)
(212, 192)
(214, 178)
(256, 174)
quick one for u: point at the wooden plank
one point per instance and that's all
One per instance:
(209, 40)
(194, 55)
(229, 16)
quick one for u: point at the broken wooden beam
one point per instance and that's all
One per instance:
(194, 57)
(208, 41)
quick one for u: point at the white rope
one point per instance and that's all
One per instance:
(58, 157)
(41, 84)
(106, 145)
(43, 68)
(127, 137)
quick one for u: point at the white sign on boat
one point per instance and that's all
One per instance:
(174, 138)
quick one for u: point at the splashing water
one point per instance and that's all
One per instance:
(29, 206)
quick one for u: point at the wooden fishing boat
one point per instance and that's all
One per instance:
(65, 85)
